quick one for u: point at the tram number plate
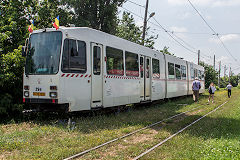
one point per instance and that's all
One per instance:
(38, 94)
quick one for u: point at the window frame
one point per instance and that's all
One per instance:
(195, 73)
(148, 69)
(69, 70)
(192, 73)
(28, 45)
(199, 75)
(154, 59)
(173, 71)
(185, 69)
(141, 69)
(179, 69)
(100, 59)
(123, 63)
(203, 75)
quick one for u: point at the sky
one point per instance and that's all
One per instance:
(180, 17)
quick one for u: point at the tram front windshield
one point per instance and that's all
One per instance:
(43, 54)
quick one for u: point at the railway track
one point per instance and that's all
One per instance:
(127, 135)
(173, 135)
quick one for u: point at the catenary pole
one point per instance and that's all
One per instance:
(145, 23)
(214, 61)
(225, 73)
(229, 75)
(198, 57)
(219, 74)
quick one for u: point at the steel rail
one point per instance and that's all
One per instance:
(126, 135)
(181, 130)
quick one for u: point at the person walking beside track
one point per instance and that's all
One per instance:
(196, 86)
(229, 88)
(211, 91)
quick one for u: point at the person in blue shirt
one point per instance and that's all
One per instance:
(196, 86)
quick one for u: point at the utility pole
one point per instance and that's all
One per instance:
(198, 57)
(219, 74)
(145, 22)
(214, 62)
(225, 73)
(229, 75)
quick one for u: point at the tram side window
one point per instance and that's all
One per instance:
(141, 66)
(96, 60)
(148, 68)
(199, 75)
(131, 64)
(178, 71)
(155, 66)
(195, 73)
(183, 72)
(114, 61)
(192, 71)
(171, 71)
(203, 76)
(82, 54)
(74, 56)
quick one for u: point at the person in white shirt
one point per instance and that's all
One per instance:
(211, 91)
(229, 88)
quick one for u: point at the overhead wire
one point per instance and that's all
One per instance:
(170, 33)
(159, 25)
(203, 53)
(235, 69)
(173, 37)
(135, 3)
(192, 33)
(167, 30)
(215, 33)
(202, 17)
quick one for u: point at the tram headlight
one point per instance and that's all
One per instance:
(53, 94)
(26, 93)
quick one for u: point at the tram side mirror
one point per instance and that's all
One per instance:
(24, 51)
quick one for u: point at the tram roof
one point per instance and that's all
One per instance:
(107, 38)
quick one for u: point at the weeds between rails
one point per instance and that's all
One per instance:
(127, 135)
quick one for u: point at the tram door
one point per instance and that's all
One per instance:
(145, 81)
(97, 72)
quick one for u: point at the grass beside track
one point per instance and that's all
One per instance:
(216, 136)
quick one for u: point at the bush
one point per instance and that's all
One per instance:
(217, 88)
(11, 71)
(5, 103)
(238, 86)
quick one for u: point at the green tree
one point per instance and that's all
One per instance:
(97, 14)
(127, 29)
(11, 72)
(16, 16)
(48, 10)
(14, 20)
(210, 74)
(234, 79)
(165, 51)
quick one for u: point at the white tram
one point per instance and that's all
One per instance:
(82, 69)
